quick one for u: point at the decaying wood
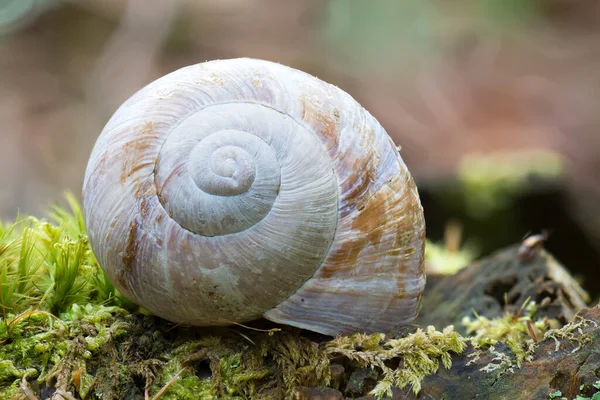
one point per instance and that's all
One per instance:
(500, 283)
(572, 369)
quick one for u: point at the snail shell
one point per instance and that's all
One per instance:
(235, 189)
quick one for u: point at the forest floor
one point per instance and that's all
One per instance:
(513, 324)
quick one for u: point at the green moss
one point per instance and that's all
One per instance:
(48, 265)
(419, 354)
(519, 332)
(63, 325)
(451, 255)
(105, 352)
(571, 333)
(442, 260)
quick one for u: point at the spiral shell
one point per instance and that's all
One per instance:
(235, 189)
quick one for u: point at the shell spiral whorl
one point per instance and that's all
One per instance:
(235, 189)
(220, 170)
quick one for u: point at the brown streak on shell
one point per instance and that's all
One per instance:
(145, 191)
(129, 255)
(326, 124)
(359, 194)
(379, 215)
(136, 148)
(184, 244)
(400, 287)
(368, 223)
(372, 217)
(147, 128)
(405, 234)
(216, 79)
(364, 170)
(144, 207)
(101, 168)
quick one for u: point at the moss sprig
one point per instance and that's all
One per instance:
(48, 265)
(571, 332)
(418, 355)
(519, 332)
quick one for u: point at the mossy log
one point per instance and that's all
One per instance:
(93, 350)
(564, 365)
(502, 283)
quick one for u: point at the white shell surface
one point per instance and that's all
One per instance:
(234, 189)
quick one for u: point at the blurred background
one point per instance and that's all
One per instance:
(496, 103)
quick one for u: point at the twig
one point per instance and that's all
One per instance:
(10, 327)
(531, 332)
(269, 331)
(161, 391)
(25, 388)
(244, 336)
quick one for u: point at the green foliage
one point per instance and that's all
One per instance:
(595, 396)
(442, 260)
(557, 394)
(105, 352)
(491, 182)
(451, 255)
(419, 354)
(48, 265)
(69, 283)
(54, 350)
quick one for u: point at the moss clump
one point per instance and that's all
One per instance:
(519, 332)
(46, 349)
(572, 333)
(244, 367)
(105, 352)
(417, 355)
(65, 329)
(48, 265)
(442, 260)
